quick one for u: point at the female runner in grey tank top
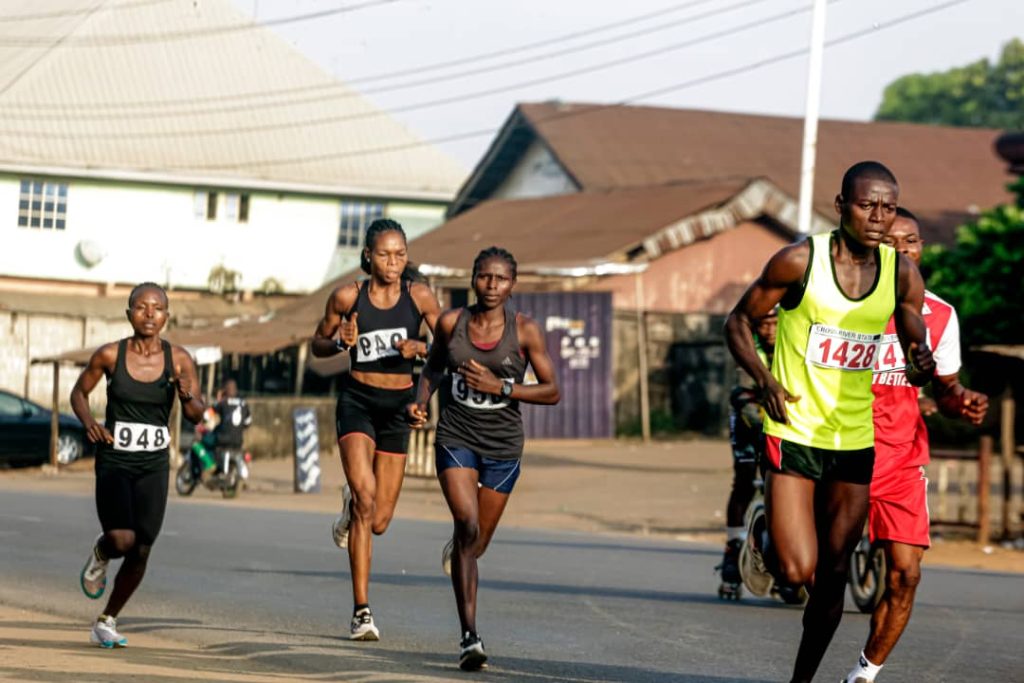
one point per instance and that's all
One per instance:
(485, 349)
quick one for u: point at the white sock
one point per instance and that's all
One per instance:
(735, 532)
(864, 669)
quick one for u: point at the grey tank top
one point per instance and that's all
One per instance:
(488, 425)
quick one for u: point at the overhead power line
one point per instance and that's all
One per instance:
(376, 113)
(675, 87)
(238, 102)
(121, 39)
(57, 14)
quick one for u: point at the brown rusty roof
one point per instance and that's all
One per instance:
(945, 173)
(568, 228)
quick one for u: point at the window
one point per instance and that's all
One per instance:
(236, 207)
(243, 209)
(43, 204)
(199, 205)
(211, 206)
(355, 217)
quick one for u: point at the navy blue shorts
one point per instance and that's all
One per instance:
(497, 474)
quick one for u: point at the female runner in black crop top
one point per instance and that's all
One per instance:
(377, 321)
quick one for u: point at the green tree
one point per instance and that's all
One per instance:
(983, 274)
(980, 94)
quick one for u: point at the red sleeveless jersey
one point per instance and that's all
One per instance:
(897, 418)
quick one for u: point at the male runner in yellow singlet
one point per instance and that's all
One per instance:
(836, 291)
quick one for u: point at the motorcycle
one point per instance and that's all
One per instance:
(223, 469)
(867, 575)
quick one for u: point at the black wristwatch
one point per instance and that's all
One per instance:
(506, 388)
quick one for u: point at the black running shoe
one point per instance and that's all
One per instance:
(472, 656)
(730, 566)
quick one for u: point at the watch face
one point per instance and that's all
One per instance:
(506, 389)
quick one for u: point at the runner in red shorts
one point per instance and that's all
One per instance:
(898, 513)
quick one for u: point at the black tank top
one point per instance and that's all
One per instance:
(137, 415)
(489, 425)
(380, 328)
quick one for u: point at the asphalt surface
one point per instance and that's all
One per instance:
(553, 606)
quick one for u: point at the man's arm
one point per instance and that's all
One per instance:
(784, 271)
(951, 397)
(910, 325)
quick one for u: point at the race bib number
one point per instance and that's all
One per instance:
(839, 349)
(378, 344)
(890, 355)
(463, 394)
(133, 437)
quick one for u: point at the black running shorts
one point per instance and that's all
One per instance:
(129, 499)
(375, 412)
(820, 464)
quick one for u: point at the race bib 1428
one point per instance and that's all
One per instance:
(371, 346)
(471, 398)
(134, 437)
(839, 349)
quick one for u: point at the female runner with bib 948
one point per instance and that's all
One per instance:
(144, 375)
(377, 321)
(479, 442)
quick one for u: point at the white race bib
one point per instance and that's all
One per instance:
(471, 398)
(839, 349)
(133, 437)
(378, 344)
(890, 356)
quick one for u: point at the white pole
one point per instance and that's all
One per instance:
(811, 116)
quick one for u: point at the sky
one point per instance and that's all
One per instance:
(690, 54)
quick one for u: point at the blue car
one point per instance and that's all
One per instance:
(25, 434)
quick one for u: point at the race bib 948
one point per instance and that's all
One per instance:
(378, 344)
(839, 349)
(134, 437)
(471, 398)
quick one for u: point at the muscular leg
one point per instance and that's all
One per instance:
(841, 509)
(893, 611)
(121, 543)
(490, 506)
(389, 472)
(793, 548)
(357, 461)
(459, 485)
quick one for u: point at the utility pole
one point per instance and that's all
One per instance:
(811, 116)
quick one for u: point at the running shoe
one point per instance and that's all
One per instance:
(730, 566)
(472, 656)
(446, 556)
(755, 575)
(363, 627)
(858, 679)
(104, 633)
(339, 530)
(93, 578)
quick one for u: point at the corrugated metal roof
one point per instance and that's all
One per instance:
(193, 110)
(945, 173)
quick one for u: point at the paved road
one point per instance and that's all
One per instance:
(269, 585)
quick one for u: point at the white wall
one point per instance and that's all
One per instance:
(538, 174)
(150, 232)
(416, 220)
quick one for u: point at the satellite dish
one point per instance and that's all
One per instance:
(90, 252)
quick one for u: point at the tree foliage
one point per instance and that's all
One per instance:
(981, 94)
(983, 274)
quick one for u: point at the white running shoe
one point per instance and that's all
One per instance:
(363, 627)
(93, 578)
(471, 655)
(339, 530)
(104, 633)
(446, 556)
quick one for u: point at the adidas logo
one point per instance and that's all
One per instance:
(507, 361)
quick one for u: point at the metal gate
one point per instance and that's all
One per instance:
(578, 329)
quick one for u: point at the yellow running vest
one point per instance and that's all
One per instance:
(825, 349)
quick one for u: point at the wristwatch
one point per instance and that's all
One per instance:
(506, 388)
